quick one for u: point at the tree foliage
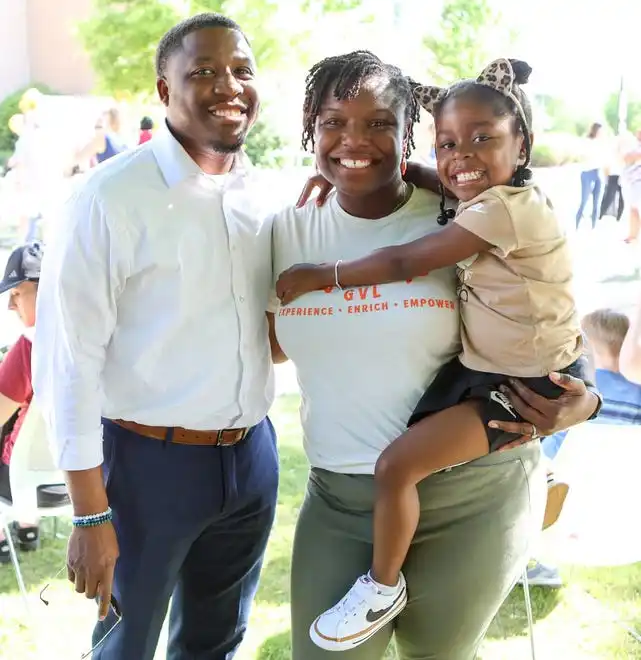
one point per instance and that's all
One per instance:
(633, 114)
(469, 33)
(121, 35)
(555, 115)
(120, 38)
(263, 144)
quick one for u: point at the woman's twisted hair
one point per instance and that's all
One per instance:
(344, 75)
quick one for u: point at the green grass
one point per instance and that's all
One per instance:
(575, 622)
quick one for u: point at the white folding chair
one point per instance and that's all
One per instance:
(597, 526)
(528, 610)
(31, 468)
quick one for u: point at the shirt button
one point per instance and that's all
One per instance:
(241, 299)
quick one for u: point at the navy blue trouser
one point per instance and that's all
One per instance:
(192, 523)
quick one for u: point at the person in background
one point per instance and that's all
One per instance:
(37, 175)
(110, 140)
(146, 128)
(612, 203)
(631, 184)
(106, 142)
(15, 176)
(593, 162)
(630, 358)
(606, 331)
(21, 281)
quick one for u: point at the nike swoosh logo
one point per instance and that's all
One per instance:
(502, 400)
(373, 617)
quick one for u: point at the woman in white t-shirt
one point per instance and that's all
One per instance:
(364, 357)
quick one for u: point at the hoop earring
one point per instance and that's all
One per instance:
(446, 214)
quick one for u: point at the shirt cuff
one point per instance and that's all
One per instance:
(81, 453)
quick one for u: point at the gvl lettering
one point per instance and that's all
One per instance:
(363, 293)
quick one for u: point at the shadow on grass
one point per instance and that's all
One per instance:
(274, 582)
(41, 566)
(277, 647)
(511, 620)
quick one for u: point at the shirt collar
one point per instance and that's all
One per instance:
(177, 165)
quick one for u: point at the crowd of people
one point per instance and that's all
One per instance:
(43, 163)
(611, 177)
(180, 275)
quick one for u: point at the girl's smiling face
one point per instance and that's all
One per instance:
(475, 148)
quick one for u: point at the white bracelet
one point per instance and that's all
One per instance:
(338, 284)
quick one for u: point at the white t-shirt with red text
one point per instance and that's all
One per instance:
(363, 356)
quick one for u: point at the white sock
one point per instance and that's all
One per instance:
(385, 589)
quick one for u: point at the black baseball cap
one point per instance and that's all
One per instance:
(23, 266)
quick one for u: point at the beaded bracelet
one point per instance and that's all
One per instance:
(93, 519)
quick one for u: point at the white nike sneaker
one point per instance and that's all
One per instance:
(358, 616)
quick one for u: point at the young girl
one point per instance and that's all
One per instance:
(517, 311)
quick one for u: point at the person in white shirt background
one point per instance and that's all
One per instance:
(631, 183)
(152, 363)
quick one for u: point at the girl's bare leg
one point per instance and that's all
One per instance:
(452, 436)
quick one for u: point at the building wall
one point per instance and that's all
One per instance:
(38, 44)
(14, 55)
(55, 54)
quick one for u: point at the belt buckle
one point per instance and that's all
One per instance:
(219, 436)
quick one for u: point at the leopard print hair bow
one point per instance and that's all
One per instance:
(498, 75)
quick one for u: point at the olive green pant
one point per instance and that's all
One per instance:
(477, 523)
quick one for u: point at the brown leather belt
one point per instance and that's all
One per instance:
(181, 436)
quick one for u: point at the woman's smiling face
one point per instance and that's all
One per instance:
(359, 142)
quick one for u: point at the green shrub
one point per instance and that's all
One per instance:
(263, 144)
(554, 149)
(543, 156)
(9, 107)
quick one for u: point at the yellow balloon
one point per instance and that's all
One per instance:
(29, 100)
(16, 123)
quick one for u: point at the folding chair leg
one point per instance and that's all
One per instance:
(16, 567)
(56, 533)
(528, 609)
